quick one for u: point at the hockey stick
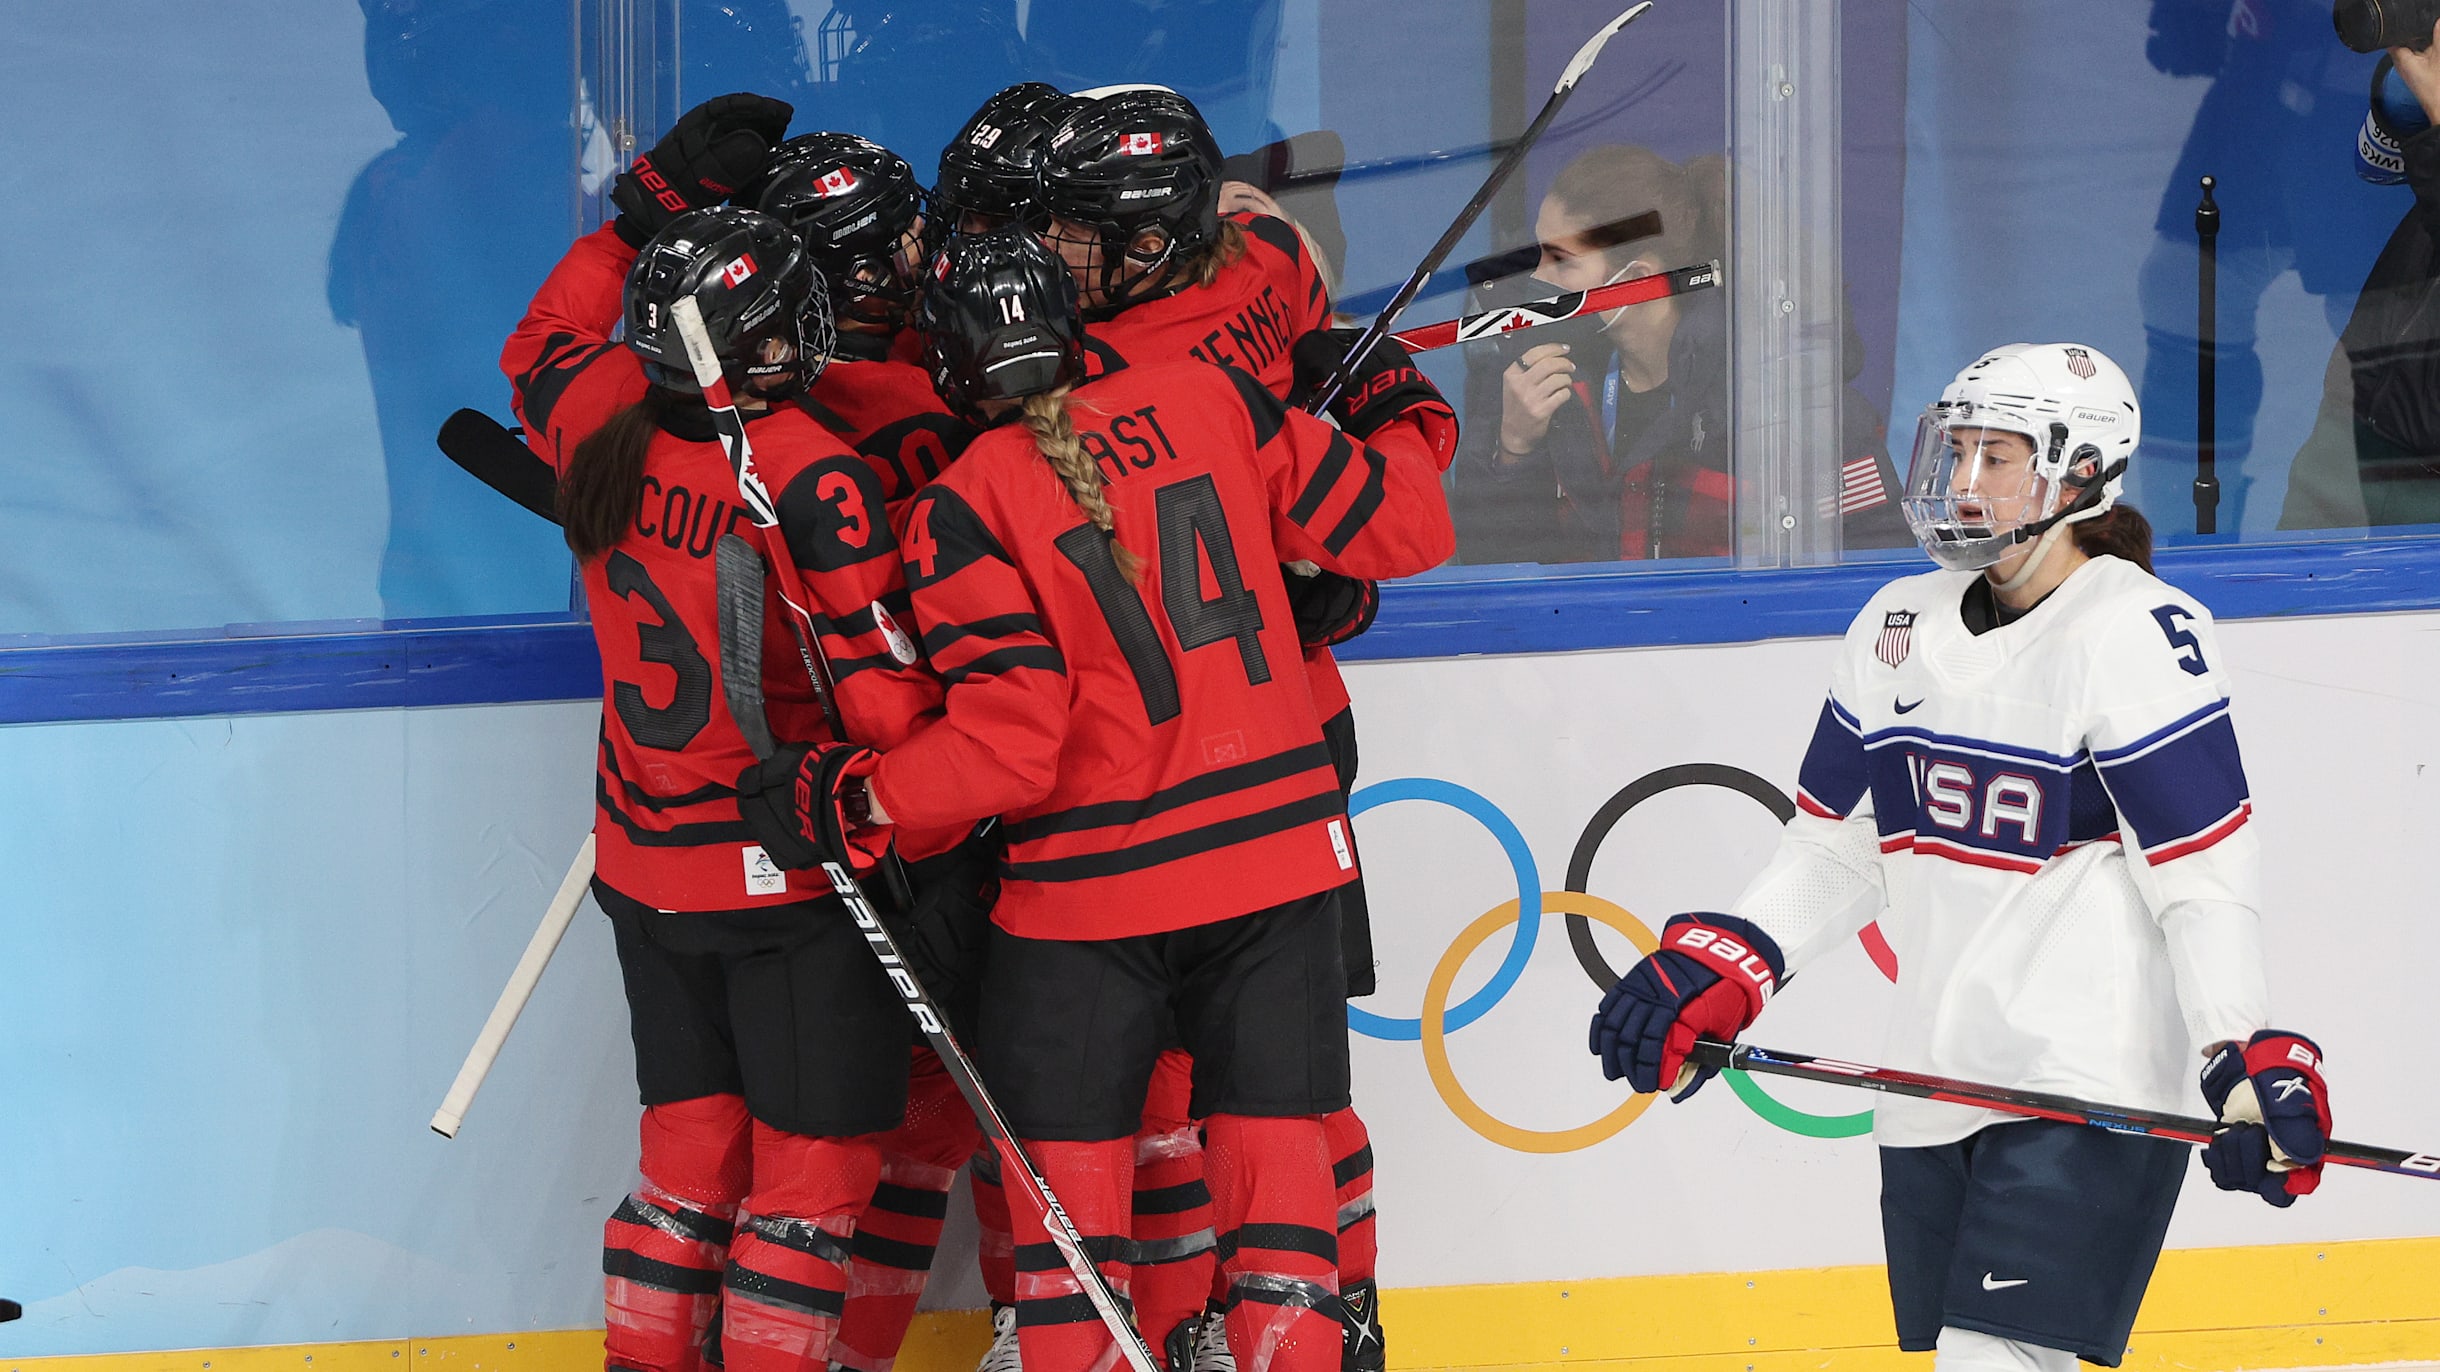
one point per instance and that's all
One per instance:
(2121, 1119)
(1371, 338)
(740, 572)
(1533, 314)
(687, 315)
(520, 988)
(495, 456)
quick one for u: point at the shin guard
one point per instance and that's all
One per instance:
(1175, 1267)
(1276, 1209)
(1058, 1329)
(900, 1231)
(1351, 1168)
(994, 1250)
(787, 1276)
(664, 1248)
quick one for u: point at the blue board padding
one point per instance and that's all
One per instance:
(1461, 612)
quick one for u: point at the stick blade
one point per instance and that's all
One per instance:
(487, 451)
(738, 572)
(1585, 56)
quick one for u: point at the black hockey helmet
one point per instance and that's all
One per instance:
(757, 290)
(987, 171)
(1000, 321)
(1123, 161)
(860, 212)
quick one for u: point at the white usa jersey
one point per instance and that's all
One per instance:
(2056, 816)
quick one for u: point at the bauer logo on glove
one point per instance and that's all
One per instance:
(2274, 1112)
(1711, 975)
(807, 805)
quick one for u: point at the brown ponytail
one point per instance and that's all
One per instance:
(1224, 249)
(1046, 418)
(2122, 532)
(603, 486)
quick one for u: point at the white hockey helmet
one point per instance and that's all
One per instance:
(2029, 437)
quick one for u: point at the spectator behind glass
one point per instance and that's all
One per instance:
(1611, 439)
(2374, 454)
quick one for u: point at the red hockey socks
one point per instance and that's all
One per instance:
(1175, 1267)
(1277, 1212)
(664, 1248)
(900, 1231)
(1058, 1329)
(995, 1251)
(1351, 1168)
(787, 1276)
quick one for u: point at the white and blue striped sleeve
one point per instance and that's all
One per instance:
(1824, 881)
(2159, 732)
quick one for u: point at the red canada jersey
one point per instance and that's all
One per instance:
(887, 411)
(1247, 319)
(1151, 743)
(666, 822)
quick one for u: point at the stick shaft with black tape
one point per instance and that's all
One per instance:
(740, 571)
(1744, 1057)
(1577, 66)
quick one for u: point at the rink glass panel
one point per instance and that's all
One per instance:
(225, 396)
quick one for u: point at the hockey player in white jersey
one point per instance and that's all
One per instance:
(2026, 769)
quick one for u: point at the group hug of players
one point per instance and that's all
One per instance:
(1074, 553)
(1075, 585)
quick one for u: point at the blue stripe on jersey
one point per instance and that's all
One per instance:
(2027, 813)
(2177, 789)
(2106, 756)
(1834, 774)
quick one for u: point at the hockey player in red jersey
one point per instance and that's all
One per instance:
(1129, 188)
(1116, 641)
(858, 209)
(859, 212)
(769, 1047)
(987, 171)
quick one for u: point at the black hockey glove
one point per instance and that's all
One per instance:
(944, 936)
(1386, 383)
(1330, 608)
(806, 805)
(714, 150)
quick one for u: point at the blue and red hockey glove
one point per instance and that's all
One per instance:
(1709, 978)
(806, 804)
(2274, 1112)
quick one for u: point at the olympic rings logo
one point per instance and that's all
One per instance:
(1581, 908)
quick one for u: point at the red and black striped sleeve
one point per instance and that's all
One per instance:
(995, 748)
(839, 547)
(562, 387)
(1372, 509)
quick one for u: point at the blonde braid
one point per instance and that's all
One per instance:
(1046, 418)
(1224, 249)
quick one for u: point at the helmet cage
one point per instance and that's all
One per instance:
(753, 285)
(1122, 161)
(862, 218)
(1970, 500)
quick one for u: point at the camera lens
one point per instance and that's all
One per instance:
(2359, 24)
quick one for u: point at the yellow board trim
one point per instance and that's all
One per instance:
(2209, 1310)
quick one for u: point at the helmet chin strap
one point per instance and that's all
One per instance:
(2033, 559)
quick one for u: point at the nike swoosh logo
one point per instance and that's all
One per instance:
(1991, 1284)
(1903, 707)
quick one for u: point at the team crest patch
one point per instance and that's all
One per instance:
(2081, 363)
(1897, 636)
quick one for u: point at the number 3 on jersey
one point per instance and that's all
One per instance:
(1193, 531)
